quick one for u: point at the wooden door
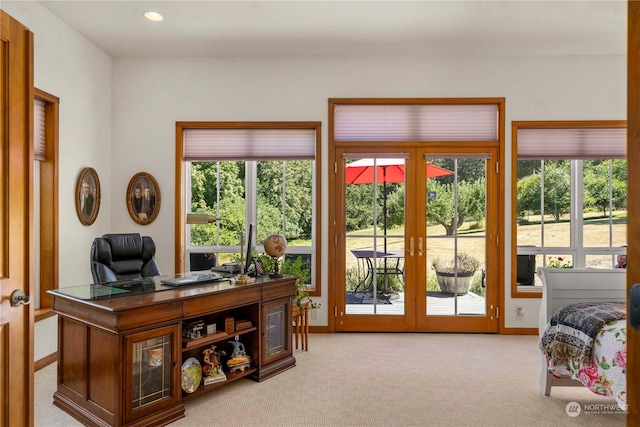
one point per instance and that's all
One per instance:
(16, 217)
(465, 300)
(374, 291)
(633, 200)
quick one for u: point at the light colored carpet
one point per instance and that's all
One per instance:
(387, 380)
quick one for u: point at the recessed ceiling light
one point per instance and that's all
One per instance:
(153, 16)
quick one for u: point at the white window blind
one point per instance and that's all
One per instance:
(572, 143)
(431, 122)
(249, 144)
(39, 129)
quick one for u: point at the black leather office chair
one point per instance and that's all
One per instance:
(125, 256)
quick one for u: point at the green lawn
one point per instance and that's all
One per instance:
(595, 234)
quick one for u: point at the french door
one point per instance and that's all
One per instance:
(401, 213)
(458, 273)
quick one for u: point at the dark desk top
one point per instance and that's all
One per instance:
(125, 308)
(149, 285)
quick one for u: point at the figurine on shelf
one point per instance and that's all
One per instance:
(239, 359)
(213, 369)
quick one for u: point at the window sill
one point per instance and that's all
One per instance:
(527, 291)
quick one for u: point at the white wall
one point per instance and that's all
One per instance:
(118, 116)
(150, 95)
(68, 66)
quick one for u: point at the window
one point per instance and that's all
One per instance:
(45, 200)
(570, 197)
(249, 173)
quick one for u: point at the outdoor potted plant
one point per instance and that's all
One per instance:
(459, 270)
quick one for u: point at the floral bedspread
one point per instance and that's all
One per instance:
(605, 371)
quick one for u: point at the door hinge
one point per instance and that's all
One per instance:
(497, 167)
(497, 312)
(335, 167)
(497, 240)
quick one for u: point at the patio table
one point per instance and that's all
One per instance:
(367, 261)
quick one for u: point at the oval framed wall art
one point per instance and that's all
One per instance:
(143, 198)
(87, 196)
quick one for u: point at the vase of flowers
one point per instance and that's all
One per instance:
(455, 275)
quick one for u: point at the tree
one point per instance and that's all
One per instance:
(468, 170)
(528, 201)
(596, 185)
(557, 191)
(297, 203)
(224, 196)
(225, 199)
(395, 205)
(359, 202)
(471, 203)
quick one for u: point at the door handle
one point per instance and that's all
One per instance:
(18, 298)
(410, 250)
(420, 250)
(634, 300)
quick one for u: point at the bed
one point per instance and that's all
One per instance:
(574, 288)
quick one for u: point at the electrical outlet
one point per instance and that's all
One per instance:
(314, 313)
(519, 313)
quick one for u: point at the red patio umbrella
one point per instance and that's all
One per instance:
(388, 170)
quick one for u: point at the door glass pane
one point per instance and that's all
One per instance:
(374, 208)
(456, 248)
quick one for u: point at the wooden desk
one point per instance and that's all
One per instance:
(109, 372)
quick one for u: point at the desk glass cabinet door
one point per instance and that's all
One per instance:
(151, 371)
(277, 330)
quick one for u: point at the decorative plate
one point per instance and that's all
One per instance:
(191, 375)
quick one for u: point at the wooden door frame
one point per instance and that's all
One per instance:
(633, 203)
(335, 235)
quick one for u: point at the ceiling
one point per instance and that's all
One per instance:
(362, 28)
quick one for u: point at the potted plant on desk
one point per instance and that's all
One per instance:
(458, 271)
(294, 268)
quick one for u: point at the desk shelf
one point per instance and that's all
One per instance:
(231, 377)
(189, 344)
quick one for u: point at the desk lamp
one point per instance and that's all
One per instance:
(194, 218)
